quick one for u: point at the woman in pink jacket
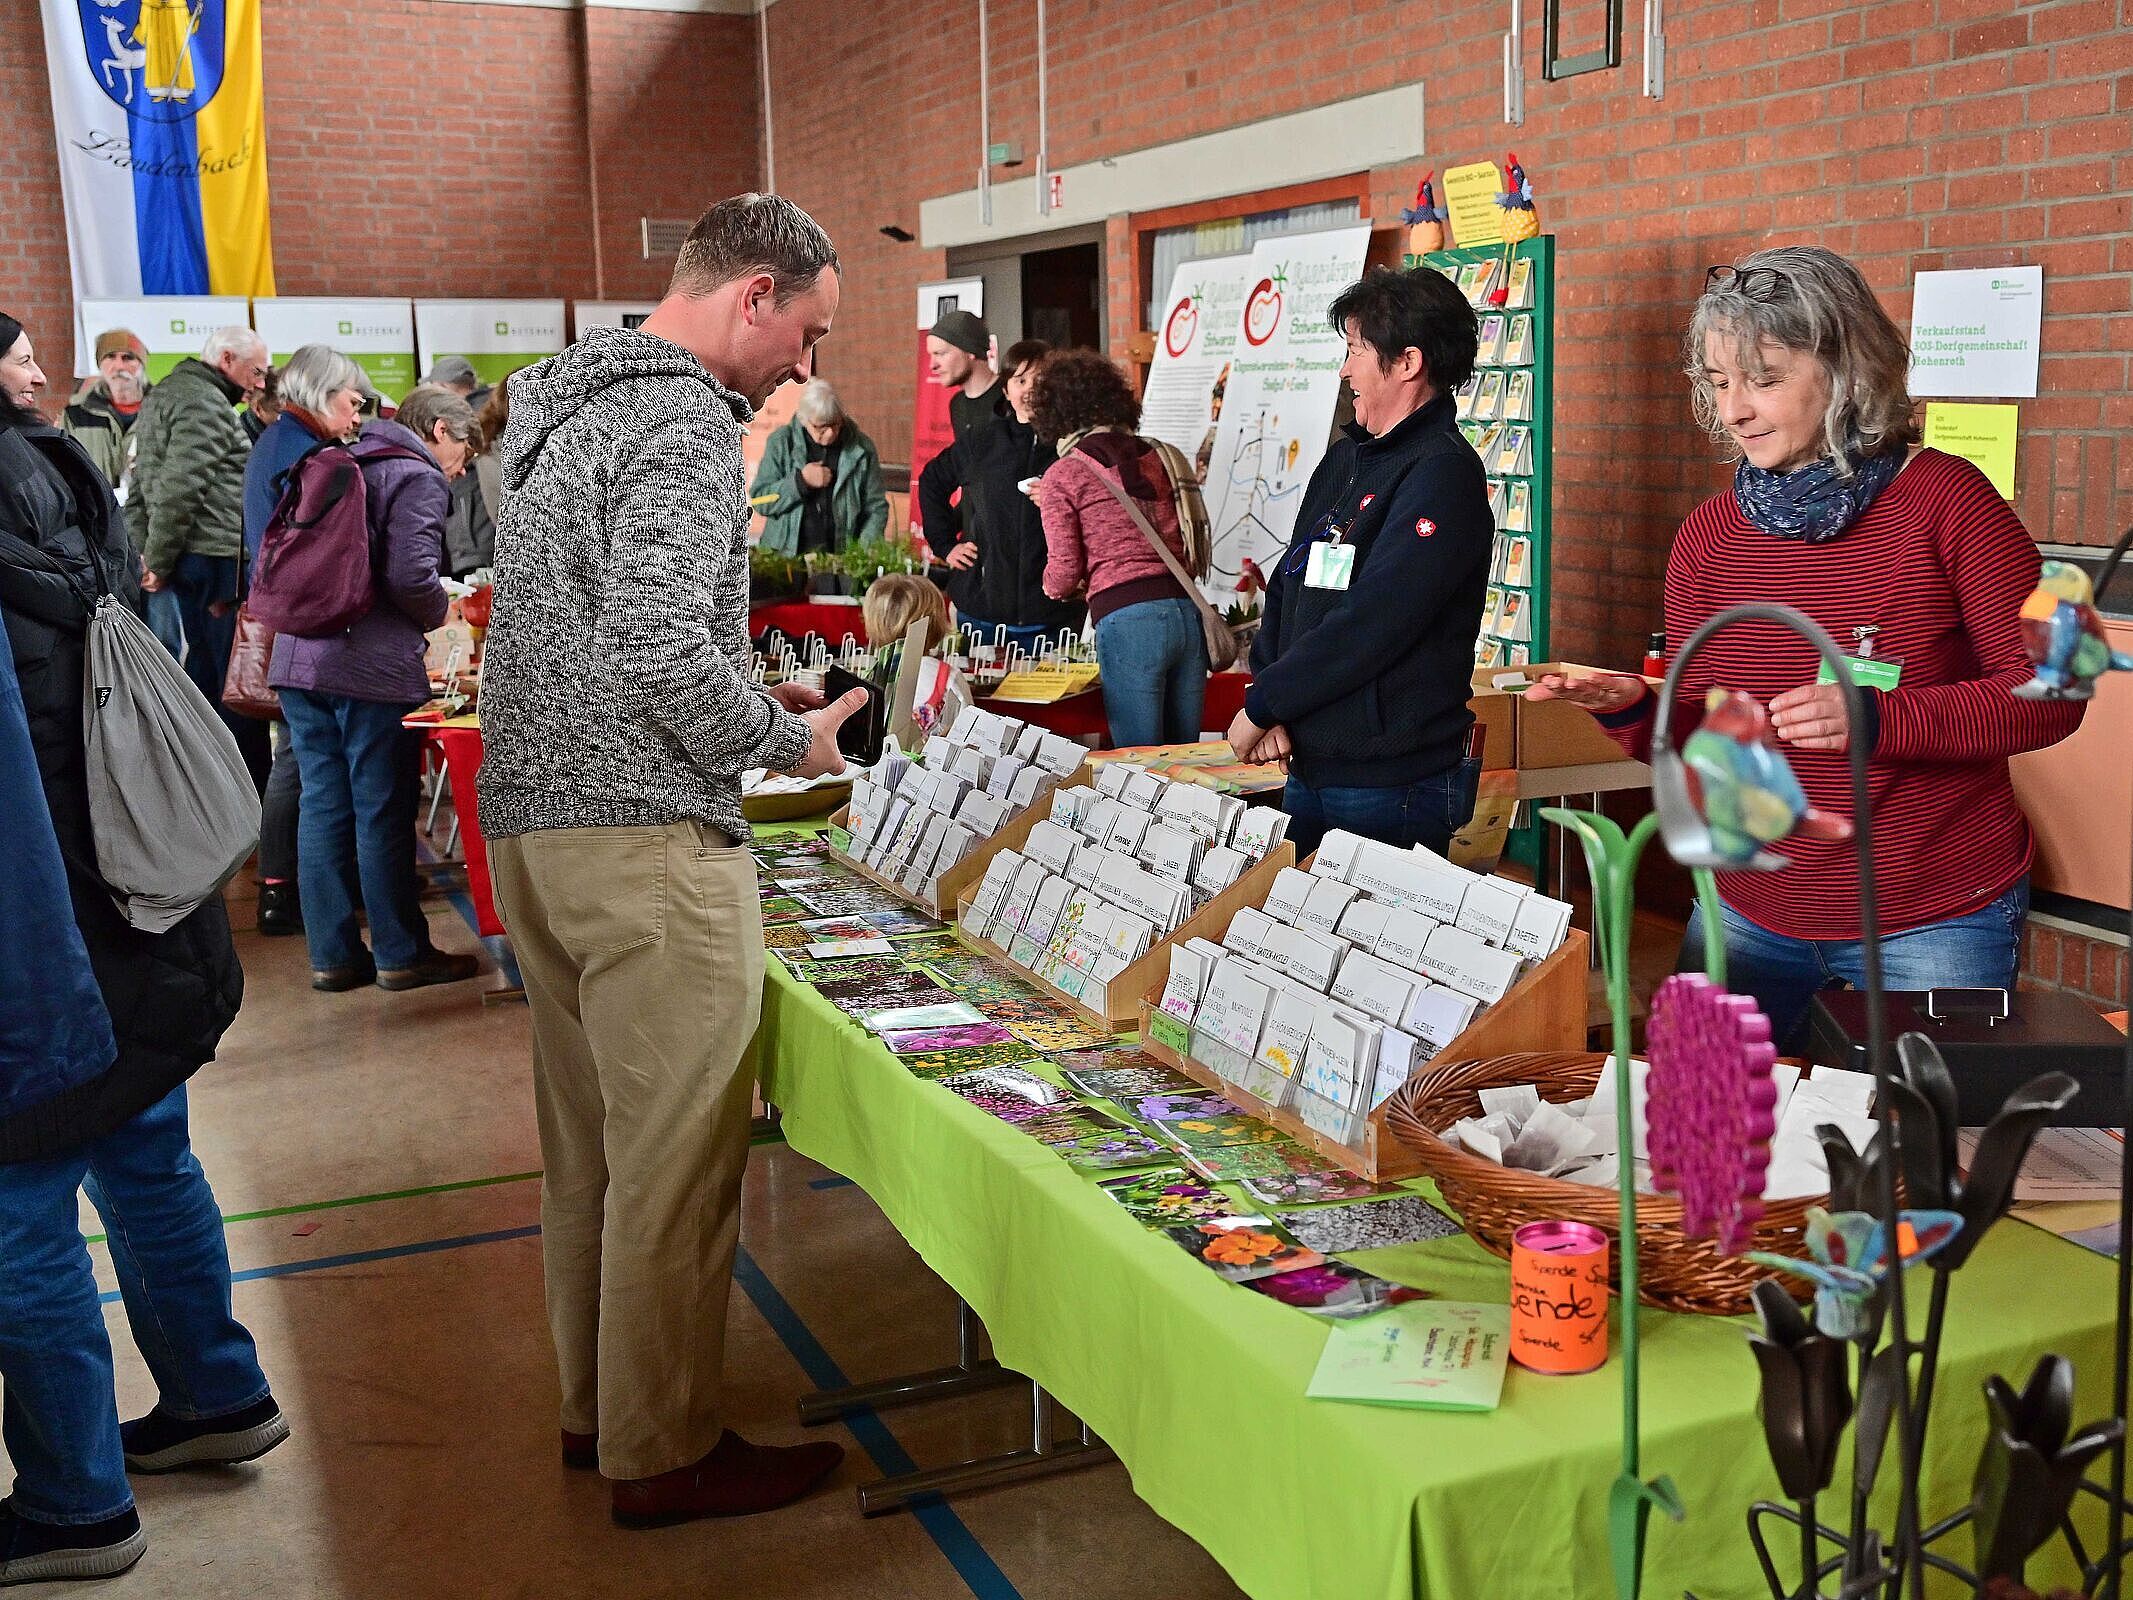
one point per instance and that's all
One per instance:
(1148, 636)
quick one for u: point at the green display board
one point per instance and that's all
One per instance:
(1507, 412)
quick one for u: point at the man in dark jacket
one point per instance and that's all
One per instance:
(106, 1116)
(993, 539)
(1364, 663)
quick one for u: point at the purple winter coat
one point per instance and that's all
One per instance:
(381, 656)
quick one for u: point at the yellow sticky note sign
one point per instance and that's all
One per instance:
(1984, 435)
(1470, 196)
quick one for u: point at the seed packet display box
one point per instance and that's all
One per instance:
(1119, 1005)
(964, 875)
(1543, 1010)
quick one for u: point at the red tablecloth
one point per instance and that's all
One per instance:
(462, 761)
(1081, 715)
(797, 618)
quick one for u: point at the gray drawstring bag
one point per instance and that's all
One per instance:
(171, 803)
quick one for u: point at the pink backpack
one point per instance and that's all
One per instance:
(313, 575)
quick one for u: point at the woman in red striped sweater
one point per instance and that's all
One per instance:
(1837, 510)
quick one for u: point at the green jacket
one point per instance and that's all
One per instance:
(188, 469)
(858, 502)
(94, 423)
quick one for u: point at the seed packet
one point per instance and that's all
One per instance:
(781, 907)
(1242, 1248)
(838, 969)
(1335, 1289)
(1203, 1121)
(928, 1041)
(1126, 1086)
(1116, 1146)
(1369, 1224)
(938, 1064)
(1009, 1093)
(1237, 1162)
(901, 920)
(1310, 1179)
(1167, 1197)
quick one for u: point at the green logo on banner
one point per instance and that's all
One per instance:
(177, 324)
(503, 330)
(346, 328)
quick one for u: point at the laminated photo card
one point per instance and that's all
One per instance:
(897, 1019)
(835, 949)
(1285, 900)
(1243, 1248)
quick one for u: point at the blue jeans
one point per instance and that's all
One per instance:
(173, 1266)
(1980, 950)
(1428, 811)
(166, 620)
(355, 835)
(1154, 661)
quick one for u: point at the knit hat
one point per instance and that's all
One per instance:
(966, 331)
(452, 369)
(120, 341)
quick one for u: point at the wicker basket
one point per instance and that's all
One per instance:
(1674, 1273)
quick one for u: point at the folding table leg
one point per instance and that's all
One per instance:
(1047, 1455)
(973, 1373)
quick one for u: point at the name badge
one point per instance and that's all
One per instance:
(1872, 672)
(1332, 566)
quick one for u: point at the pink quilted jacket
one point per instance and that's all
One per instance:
(1092, 543)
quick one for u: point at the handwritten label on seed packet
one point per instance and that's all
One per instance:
(1445, 1355)
(1167, 1031)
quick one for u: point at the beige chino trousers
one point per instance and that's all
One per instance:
(642, 951)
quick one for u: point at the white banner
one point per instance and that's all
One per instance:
(171, 326)
(1976, 332)
(1284, 385)
(497, 336)
(609, 313)
(378, 335)
(1188, 382)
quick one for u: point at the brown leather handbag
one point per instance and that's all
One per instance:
(244, 687)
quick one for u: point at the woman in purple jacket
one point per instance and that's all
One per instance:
(345, 696)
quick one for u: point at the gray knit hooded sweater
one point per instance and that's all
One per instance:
(615, 683)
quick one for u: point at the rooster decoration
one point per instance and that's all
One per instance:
(1747, 793)
(2064, 636)
(1520, 222)
(1425, 219)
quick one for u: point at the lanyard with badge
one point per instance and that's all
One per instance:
(1870, 671)
(1330, 562)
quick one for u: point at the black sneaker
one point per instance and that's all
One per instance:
(280, 912)
(40, 1552)
(160, 1442)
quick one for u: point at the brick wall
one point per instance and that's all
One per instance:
(2063, 955)
(1910, 134)
(458, 168)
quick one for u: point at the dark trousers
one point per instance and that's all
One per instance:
(1426, 812)
(279, 809)
(202, 584)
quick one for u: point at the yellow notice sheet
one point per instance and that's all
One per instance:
(1982, 434)
(1470, 196)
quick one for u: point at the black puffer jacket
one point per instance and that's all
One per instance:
(170, 995)
(989, 464)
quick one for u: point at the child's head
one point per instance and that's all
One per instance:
(895, 601)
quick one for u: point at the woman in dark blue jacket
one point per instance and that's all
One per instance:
(94, 1097)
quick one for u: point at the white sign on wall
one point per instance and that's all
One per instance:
(1195, 343)
(497, 336)
(378, 335)
(610, 313)
(1977, 332)
(172, 326)
(1284, 385)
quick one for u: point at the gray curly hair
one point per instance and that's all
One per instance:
(1815, 302)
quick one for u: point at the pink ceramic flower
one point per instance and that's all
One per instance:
(1712, 1106)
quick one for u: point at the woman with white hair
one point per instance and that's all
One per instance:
(321, 391)
(1899, 552)
(819, 487)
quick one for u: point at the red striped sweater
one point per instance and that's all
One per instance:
(1942, 565)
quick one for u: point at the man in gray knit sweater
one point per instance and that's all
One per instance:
(617, 715)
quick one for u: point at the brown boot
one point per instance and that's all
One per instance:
(737, 1479)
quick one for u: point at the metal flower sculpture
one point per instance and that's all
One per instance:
(1712, 1106)
(1807, 1394)
(2030, 1468)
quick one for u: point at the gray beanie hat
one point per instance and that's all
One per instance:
(966, 331)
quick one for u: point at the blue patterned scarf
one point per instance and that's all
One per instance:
(1814, 503)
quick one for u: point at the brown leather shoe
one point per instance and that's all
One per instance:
(737, 1479)
(435, 967)
(581, 1451)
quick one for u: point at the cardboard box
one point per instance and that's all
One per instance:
(1549, 733)
(1496, 712)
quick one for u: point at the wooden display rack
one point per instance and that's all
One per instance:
(965, 873)
(1545, 1010)
(1120, 1005)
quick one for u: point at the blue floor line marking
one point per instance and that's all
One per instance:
(972, 1563)
(833, 1181)
(357, 1258)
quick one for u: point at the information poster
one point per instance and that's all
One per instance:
(610, 313)
(1976, 333)
(1284, 385)
(931, 432)
(1194, 347)
(1984, 435)
(497, 336)
(378, 335)
(172, 326)
(1470, 198)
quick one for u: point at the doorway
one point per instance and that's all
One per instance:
(1062, 296)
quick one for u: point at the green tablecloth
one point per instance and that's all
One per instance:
(1199, 1384)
